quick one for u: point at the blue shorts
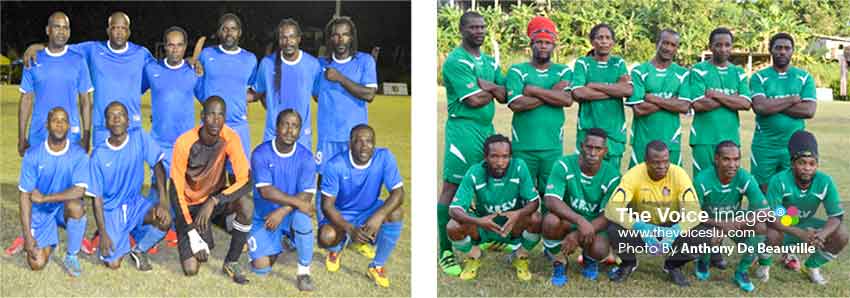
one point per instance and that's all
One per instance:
(44, 225)
(327, 150)
(356, 217)
(120, 222)
(262, 242)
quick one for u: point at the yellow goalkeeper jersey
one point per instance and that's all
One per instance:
(668, 196)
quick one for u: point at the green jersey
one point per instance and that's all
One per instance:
(716, 197)
(662, 124)
(783, 191)
(606, 114)
(722, 123)
(493, 195)
(586, 195)
(460, 76)
(775, 130)
(541, 128)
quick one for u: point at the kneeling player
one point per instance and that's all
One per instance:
(285, 182)
(506, 202)
(351, 184)
(721, 190)
(804, 188)
(54, 176)
(579, 187)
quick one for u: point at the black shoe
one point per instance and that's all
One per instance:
(141, 259)
(234, 271)
(305, 283)
(718, 262)
(677, 277)
(621, 273)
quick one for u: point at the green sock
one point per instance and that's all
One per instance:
(704, 258)
(529, 240)
(442, 221)
(552, 246)
(765, 260)
(464, 245)
(746, 261)
(819, 258)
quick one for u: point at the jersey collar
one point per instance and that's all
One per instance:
(287, 154)
(60, 152)
(121, 51)
(119, 147)
(165, 61)
(343, 61)
(300, 53)
(363, 167)
(64, 50)
(234, 52)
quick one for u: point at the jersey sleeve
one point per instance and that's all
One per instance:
(743, 87)
(527, 191)
(307, 179)
(809, 92)
(755, 198)
(567, 76)
(82, 172)
(330, 180)
(465, 193)
(29, 173)
(145, 81)
(391, 176)
(775, 192)
(461, 78)
(319, 72)
(27, 81)
(556, 185)
(579, 74)
(688, 201)
(95, 188)
(260, 81)
(260, 169)
(514, 84)
(608, 189)
(253, 78)
(368, 75)
(152, 152)
(831, 200)
(179, 164)
(620, 199)
(695, 87)
(638, 87)
(238, 161)
(757, 84)
(84, 84)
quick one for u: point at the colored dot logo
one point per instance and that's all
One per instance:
(788, 217)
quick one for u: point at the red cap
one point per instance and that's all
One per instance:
(542, 28)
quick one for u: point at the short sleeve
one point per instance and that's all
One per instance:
(579, 74)
(743, 87)
(330, 180)
(556, 185)
(621, 70)
(84, 84)
(757, 84)
(755, 198)
(368, 75)
(253, 78)
(809, 92)
(465, 193)
(611, 182)
(775, 192)
(152, 152)
(82, 48)
(460, 76)
(514, 83)
(319, 71)
(567, 76)
(831, 200)
(391, 176)
(638, 87)
(95, 188)
(27, 81)
(145, 81)
(82, 172)
(260, 82)
(527, 191)
(29, 173)
(696, 85)
(260, 169)
(307, 177)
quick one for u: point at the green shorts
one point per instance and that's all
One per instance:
(703, 157)
(766, 162)
(539, 164)
(464, 147)
(489, 236)
(812, 222)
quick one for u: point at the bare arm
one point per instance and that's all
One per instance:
(673, 104)
(645, 108)
(161, 179)
(478, 100)
(24, 114)
(587, 93)
(367, 94)
(333, 215)
(273, 194)
(803, 110)
(623, 87)
(705, 104)
(562, 210)
(97, 204)
(766, 107)
(392, 203)
(733, 102)
(73, 192)
(524, 103)
(497, 91)
(552, 97)
(85, 112)
(26, 214)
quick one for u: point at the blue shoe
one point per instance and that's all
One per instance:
(701, 271)
(72, 265)
(743, 281)
(590, 270)
(559, 274)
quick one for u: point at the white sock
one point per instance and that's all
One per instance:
(303, 270)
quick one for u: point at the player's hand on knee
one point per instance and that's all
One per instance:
(585, 233)
(362, 236)
(200, 249)
(274, 218)
(569, 243)
(203, 220)
(372, 226)
(305, 207)
(161, 215)
(29, 246)
(105, 244)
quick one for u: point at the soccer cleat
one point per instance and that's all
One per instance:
(621, 273)
(448, 264)
(791, 262)
(171, 238)
(701, 271)
(590, 270)
(90, 246)
(521, 265)
(17, 245)
(305, 283)
(234, 271)
(559, 274)
(141, 259)
(364, 249)
(72, 265)
(815, 276)
(743, 281)
(470, 269)
(332, 261)
(154, 250)
(496, 246)
(677, 277)
(379, 276)
(763, 273)
(718, 262)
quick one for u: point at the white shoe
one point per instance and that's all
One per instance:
(763, 273)
(815, 276)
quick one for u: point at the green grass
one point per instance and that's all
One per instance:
(389, 115)
(497, 277)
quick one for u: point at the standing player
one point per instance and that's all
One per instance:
(285, 80)
(717, 90)
(284, 184)
(655, 100)
(506, 204)
(54, 176)
(228, 73)
(804, 188)
(351, 185)
(472, 81)
(600, 82)
(117, 175)
(200, 193)
(721, 190)
(538, 91)
(576, 194)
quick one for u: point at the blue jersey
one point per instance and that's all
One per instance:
(53, 172)
(339, 111)
(172, 104)
(296, 88)
(291, 173)
(116, 76)
(118, 172)
(228, 74)
(56, 79)
(355, 187)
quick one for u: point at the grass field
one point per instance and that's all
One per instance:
(497, 277)
(389, 115)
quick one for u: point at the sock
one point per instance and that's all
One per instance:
(552, 246)
(442, 221)
(303, 270)
(819, 258)
(765, 260)
(746, 261)
(75, 229)
(303, 237)
(529, 240)
(588, 259)
(150, 237)
(385, 242)
(237, 240)
(464, 245)
(261, 271)
(673, 264)
(704, 258)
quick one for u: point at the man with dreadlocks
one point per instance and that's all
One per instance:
(291, 69)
